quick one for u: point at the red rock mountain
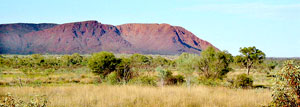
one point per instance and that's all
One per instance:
(92, 36)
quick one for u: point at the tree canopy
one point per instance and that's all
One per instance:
(103, 63)
(214, 64)
(250, 56)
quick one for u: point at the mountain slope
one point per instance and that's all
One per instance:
(92, 36)
(11, 35)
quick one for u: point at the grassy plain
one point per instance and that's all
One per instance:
(77, 86)
(79, 95)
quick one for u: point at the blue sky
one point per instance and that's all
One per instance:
(271, 25)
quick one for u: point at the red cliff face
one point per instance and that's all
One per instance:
(91, 36)
(162, 38)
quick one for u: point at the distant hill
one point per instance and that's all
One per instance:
(92, 36)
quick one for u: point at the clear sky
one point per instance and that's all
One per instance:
(271, 25)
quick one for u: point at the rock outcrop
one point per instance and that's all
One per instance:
(92, 36)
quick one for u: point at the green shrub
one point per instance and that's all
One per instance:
(103, 63)
(112, 78)
(69, 60)
(243, 81)
(84, 61)
(76, 59)
(37, 60)
(143, 80)
(161, 61)
(209, 81)
(52, 61)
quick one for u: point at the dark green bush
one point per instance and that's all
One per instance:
(175, 80)
(103, 63)
(243, 81)
(123, 70)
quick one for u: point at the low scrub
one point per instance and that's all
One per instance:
(243, 81)
(144, 80)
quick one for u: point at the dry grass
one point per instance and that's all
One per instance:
(105, 95)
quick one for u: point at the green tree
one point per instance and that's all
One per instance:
(213, 64)
(250, 56)
(103, 63)
(186, 63)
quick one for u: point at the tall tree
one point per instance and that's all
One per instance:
(250, 56)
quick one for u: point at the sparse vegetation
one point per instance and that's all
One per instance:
(212, 70)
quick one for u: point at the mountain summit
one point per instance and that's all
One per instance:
(92, 36)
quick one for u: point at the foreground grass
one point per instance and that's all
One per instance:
(105, 95)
